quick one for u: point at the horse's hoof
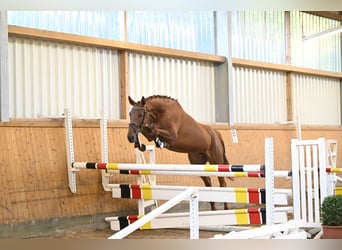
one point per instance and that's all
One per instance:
(159, 143)
(142, 148)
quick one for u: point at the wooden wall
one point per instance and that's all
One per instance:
(34, 172)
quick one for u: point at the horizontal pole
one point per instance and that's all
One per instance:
(277, 173)
(334, 170)
(169, 167)
(249, 216)
(188, 173)
(213, 212)
(240, 195)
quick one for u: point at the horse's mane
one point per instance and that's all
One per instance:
(162, 98)
(161, 103)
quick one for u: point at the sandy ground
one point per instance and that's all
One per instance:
(139, 234)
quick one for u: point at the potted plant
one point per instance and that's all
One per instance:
(331, 217)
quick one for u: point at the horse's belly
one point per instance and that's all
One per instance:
(187, 148)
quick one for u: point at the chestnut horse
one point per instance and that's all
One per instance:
(163, 120)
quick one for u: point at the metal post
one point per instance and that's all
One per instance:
(104, 150)
(323, 175)
(194, 216)
(269, 175)
(70, 150)
(224, 71)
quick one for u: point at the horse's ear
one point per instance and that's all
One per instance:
(143, 100)
(131, 101)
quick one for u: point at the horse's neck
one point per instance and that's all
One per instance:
(157, 108)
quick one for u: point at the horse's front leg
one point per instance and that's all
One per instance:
(168, 136)
(147, 132)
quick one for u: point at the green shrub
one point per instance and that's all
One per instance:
(331, 211)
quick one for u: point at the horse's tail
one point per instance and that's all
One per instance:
(225, 160)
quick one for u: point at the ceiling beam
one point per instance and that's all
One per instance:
(336, 15)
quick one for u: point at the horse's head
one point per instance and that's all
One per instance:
(138, 120)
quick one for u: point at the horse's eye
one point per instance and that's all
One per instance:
(140, 115)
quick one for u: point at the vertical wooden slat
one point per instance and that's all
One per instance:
(287, 38)
(124, 84)
(124, 38)
(289, 96)
(289, 75)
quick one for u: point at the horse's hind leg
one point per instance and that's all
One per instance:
(223, 183)
(217, 156)
(199, 158)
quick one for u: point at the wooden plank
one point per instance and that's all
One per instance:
(288, 37)
(289, 96)
(110, 44)
(285, 68)
(56, 123)
(289, 75)
(123, 124)
(26, 186)
(6, 154)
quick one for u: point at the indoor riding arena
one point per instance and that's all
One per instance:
(268, 81)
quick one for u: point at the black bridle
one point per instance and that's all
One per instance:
(138, 127)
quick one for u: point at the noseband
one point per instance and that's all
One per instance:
(137, 127)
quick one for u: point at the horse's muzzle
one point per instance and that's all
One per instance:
(131, 137)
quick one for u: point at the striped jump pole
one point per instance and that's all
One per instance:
(245, 216)
(206, 194)
(277, 173)
(169, 167)
(334, 170)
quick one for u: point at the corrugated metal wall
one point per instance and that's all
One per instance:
(323, 53)
(46, 77)
(258, 35)
(191, 82)
(259, 96)
(317, 100)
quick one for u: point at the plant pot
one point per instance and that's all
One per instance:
(332, 232)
